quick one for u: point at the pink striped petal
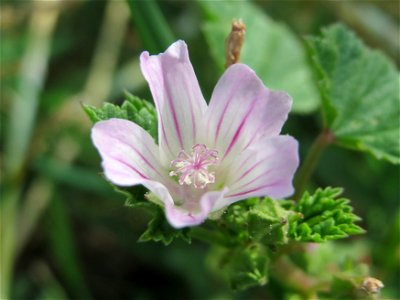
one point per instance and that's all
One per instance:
(178, 98)
(264, 169)
(129, 154)
(242, 110)
(189, 213)
(185, 215)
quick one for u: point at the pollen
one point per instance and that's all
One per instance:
(193, 169)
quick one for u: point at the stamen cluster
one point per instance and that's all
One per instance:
(193, 169)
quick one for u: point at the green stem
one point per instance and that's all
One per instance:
(210, 237)
(324, 139)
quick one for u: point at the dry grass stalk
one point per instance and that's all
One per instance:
(234, 42)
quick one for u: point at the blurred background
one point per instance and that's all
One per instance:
(64, 233)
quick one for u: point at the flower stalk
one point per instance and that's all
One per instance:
(295, 278)
(324, 139)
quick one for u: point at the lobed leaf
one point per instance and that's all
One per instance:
(325, 217)
(360, 93)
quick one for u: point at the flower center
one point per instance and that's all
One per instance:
(193, 169)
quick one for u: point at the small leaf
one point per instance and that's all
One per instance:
(270, 48)
(360, 93)
(134, 109)
(325, 217)
(159, 230)
(134, 197)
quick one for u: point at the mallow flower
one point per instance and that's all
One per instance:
(207, 156)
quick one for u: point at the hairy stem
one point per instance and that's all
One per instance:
(324, 139)
(291, 276)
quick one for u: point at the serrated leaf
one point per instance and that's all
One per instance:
(360, 93)
(325, 217)
(270, 48)
(134, 109)
(134, 198)
(159, 230)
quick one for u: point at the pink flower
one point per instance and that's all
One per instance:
(207, 157)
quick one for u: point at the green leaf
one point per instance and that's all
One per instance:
(325, 217)
(137, 110)
(246, 266)
(159, 229)
(360, 93)
(270, 48)
(134, 197)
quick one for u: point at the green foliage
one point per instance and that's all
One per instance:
(360, 93)
(268, 222)
(246, 266)
(137, 110)
(159, 230)
(349, 282)
(258, 220)
(134, 197)
(276, 55)
(315, 218)
(256, 228)
(325, 217)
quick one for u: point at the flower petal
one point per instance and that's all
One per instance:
(264, 169)
(129, 153)
(242, 110)
(180, 217)
(178, 98)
